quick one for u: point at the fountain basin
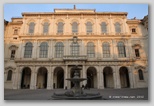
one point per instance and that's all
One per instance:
(76, 79)
(86, 96)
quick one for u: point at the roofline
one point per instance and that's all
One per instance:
(45, 13)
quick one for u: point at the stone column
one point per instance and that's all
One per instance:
(115, 77)
(82, 48)
(66, 48)
(52, 73)
(145, 74)
(111, 50)
(127, 49)
(134, 76)
(99, 50)
(49, 50)
(33, 78)
(101, 77)
(84, 75)
(35, 50)
(98, 79)
(19, 75)
(118, 83)
(130, 77)
(111, 25)
(49, 78)
(115, 52)
(52, 48)
(15, 78)
(21, 49)
(66, 76)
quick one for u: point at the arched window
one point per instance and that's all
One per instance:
(74, 49)
(9, 75)
(106, 50)
(89, 27)
(60, 27)
(140, 73)
(45, 28)
(91, 49)
(117, 27)
(121, 49)
(31, 27)
(103, 27)
(28, 50)
(74, 27)
(44, 50)
(59, 48)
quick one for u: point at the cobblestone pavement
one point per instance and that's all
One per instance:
(107, 94)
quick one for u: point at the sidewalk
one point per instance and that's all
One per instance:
(107, 94)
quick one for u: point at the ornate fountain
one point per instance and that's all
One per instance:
(76, 93)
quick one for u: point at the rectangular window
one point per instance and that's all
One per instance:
(133, 30)
(15, 32)
(137, 53)
(12, 54)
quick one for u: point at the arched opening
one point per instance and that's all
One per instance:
(9, 75)
(108, 77)
(91, 77)
(124, 77)
(58, 78)
(42, 78)
(140, 73)
(26, 78)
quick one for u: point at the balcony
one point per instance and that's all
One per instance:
(71, 57)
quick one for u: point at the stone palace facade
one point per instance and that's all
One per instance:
(40, 49)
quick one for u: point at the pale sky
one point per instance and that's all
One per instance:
(134, 10)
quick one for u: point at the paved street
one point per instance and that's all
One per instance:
(108, 94)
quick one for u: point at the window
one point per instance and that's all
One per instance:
(15, 31)
(44, 50)
(137, 53)
(89, 27)
(90, 50)
(45, 27)
(121, 49)
(59, 50)
(140, 72)
(60, 27)
(74, 27)
(106, 50)
(117, 27)
(9, 75)
(103, 27)
(12, 54)
(28, 50)
(133, 30)
(75, 49)
(31, 27)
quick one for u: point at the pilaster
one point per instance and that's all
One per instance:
(66, 76)
(118, 83)
(84, 75)
(101, 84)
(33, 80)
(130, 77)
(49, 78)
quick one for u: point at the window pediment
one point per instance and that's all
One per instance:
(10, 68)
(140, 67)
(13, 47)
(136, 46)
